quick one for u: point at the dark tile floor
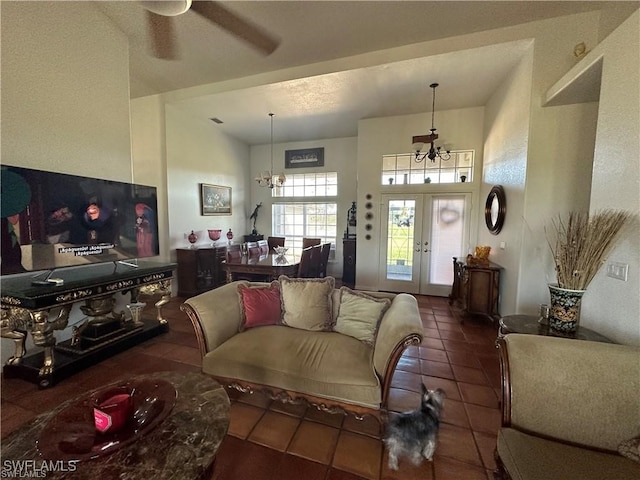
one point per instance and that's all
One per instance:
(268, 440)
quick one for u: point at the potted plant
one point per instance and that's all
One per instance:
(580, 244)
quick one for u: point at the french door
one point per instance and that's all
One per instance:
(420, 235)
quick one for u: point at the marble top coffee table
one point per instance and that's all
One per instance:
(181, 447)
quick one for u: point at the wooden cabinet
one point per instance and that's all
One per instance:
(200, 269)
(349, 262)
(476, 288)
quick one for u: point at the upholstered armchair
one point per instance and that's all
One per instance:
(568, 406)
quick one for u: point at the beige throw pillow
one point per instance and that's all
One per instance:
(360, 315)
(306, 302)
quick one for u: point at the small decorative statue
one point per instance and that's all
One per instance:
(352, 215)
(254, 217)
(351, 222)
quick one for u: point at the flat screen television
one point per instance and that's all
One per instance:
(52, 220)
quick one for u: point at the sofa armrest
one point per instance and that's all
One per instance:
(215, 315)
(400, 327)
(576, 391)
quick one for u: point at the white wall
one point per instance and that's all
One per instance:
(458, 129)
(505, 163)
(610, 306)
(65, 97)
(149, 159)
(65, 90)
(340, 155)
(198, 153)
(541, 156)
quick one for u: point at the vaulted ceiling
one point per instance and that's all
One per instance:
(329, 105)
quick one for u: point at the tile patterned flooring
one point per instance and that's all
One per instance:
(268, 440)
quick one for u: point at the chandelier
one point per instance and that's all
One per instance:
(420, 140)
(266, 179)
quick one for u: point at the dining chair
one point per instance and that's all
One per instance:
(263, 245)
(308, 264)
(253, 248)
(310, 242)
(325, 250)
(305, 269)
(275, 242)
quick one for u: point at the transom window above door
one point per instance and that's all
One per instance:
(402, 169)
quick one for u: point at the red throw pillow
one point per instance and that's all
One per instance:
(260, 305)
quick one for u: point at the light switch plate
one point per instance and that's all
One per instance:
(618, 270)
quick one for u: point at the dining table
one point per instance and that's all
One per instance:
(261, 267)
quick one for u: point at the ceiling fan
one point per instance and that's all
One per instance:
(163, 38)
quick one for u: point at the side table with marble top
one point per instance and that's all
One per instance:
(529, 324)
(181, 447)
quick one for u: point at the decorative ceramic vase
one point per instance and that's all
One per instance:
(565, 309)
(193, 238)
(482, 252)
(229, 235)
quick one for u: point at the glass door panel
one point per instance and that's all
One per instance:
(446, 232)
(399, 259)
(421, 234)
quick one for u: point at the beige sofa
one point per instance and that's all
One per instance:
(567, 405)
(330, 370)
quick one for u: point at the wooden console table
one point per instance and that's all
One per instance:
(200, 269)
(476, 288)
(41, 310)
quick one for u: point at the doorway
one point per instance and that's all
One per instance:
(420, 235)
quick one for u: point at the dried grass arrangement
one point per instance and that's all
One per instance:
(581, 243)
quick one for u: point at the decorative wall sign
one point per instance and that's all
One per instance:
(308, 157)
(215, 199)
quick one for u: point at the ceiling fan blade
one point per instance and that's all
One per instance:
(162, 35)
(168, 8)
(248, 31)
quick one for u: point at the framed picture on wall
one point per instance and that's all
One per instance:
(308, 157)
(215, 199)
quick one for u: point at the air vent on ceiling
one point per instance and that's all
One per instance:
(216, 120)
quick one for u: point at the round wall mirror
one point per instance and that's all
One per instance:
(495, 209)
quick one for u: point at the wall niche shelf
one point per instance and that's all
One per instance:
(581, 84)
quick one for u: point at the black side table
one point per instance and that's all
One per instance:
(529, 324)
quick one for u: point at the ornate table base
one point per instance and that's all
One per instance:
(104, 332)
(69, 361)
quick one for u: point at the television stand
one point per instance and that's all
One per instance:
(41, 310)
